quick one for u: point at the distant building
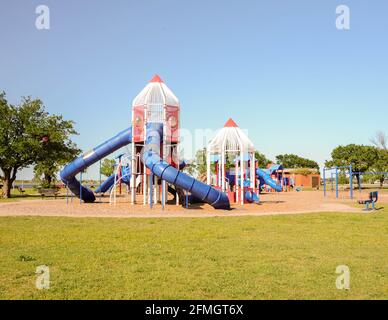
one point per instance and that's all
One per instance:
(300, 177)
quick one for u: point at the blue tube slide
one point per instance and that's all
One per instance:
(250, 196)
(108, 183)
(151, 158)
(268, 181)
(81, 163)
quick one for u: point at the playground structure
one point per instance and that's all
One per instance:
(273, 178)
(334, 179)
(155, 165)
(122, 175)
(232, 154)
(349, 174)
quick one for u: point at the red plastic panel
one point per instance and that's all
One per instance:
(172, 125)
(138, 124)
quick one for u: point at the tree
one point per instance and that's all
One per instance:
(292, 161)
(262, 160)
(29, 135)
(361, 157)
(198, 166)
(381, 165)
(56, 151)
(107, 167)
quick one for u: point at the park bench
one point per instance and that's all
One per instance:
(373, 197)
(48, 192)
(20, 189)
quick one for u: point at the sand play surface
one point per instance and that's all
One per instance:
(271, 204)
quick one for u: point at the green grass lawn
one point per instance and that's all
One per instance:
(270, 257)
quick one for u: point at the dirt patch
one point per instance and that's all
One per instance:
(271, 204)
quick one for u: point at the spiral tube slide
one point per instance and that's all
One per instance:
(268, 181)
(81, 163)
(165, 171)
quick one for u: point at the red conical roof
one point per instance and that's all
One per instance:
(155, 92)
(230, 123)
(156, 78)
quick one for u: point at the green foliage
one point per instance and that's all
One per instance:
(199, 165)
(29, 135)
(361, 157)
(262, 160)
(292, 161)
(107, 167)
(380, 165)
(58, 151)
(200, 162)
(343, 178)
(305, 171)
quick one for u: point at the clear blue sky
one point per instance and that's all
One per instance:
(281, 69)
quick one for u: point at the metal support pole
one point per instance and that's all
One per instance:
(332, 181)
(120, 174)
(336, 183)
(351, 181)
(144, 184)
(151, 188)
(242, 176)
(253, 172)
(100, 180)
(144, 166)
(163, 194)
(324, 182)
(133, 174)
(208, 168)
(236, 180)
(133, 163)
(217, 163)
(80, 187)
(177, 161)
(222, 170)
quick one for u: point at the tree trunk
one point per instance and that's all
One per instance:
(358, 177)
(9, 178)
(382, 182)
(48, 179)
(7, 183)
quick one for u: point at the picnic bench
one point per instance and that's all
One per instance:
(20, 189)
(48, 192)
(373, 198)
